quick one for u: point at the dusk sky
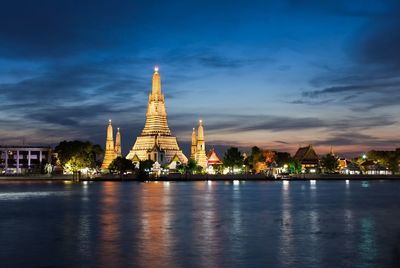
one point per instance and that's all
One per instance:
(276, 74)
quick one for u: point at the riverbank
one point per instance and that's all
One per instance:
(206, 177)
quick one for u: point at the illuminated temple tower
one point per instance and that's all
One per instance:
(117, 148)
(156, 141)
(199, 146)
(201, 157)
(109, 154)
(194, 145)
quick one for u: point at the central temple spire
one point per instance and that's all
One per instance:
(156, 116)
(156, 83)
(156, 141)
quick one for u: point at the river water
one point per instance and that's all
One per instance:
(199, 224)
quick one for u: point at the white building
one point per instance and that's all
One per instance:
(18, 159)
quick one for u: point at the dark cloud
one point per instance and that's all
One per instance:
(355, 8)
(354, 139)
(54, 29)
(220, 123)
(374, 79)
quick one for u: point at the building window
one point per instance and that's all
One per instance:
(155, 157)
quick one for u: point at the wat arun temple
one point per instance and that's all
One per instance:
(156, 141)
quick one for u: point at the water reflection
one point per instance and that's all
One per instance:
(155, 238)
(367, 248)
(236, 230)
(84, 226)
(286, 234)
(109, 220)
(204, 225)
(313, 184)
(365, 184)
(185, 224)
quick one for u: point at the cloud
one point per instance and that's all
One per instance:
(234, 123)
(357, 139)
(373, 79)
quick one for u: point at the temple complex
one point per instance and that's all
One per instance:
(198, 146)
(112, 150)
(308, 158)
(156, 141)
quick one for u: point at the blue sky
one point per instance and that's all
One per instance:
(276, 74)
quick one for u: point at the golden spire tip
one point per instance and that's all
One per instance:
(156, 68)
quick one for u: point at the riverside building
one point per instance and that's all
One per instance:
(20, 159)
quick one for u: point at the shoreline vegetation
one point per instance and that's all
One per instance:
(199, 177)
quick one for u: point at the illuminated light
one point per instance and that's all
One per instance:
(67, 182)
(156, 68)
(285, 182)
(209, 182)
(313, 182)
(364, 156)
(347, 182)
(236, 182)
(85, 182)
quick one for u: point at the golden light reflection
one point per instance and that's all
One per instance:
(204, 224)
(156, 231)
(109, 225)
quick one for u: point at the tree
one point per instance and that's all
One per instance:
(294, 166)
(389, 159)
(330, 163)
(144, 167)
(121, 165)
(256, 160)
(76, 155)
(282, 158)
(233, 158)
(191, 166)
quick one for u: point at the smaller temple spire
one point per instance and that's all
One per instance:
(331, 151)
(118, 143)
(201, 157)
(109, 154)
(194, 144)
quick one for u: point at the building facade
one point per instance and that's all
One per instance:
(21, 159)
